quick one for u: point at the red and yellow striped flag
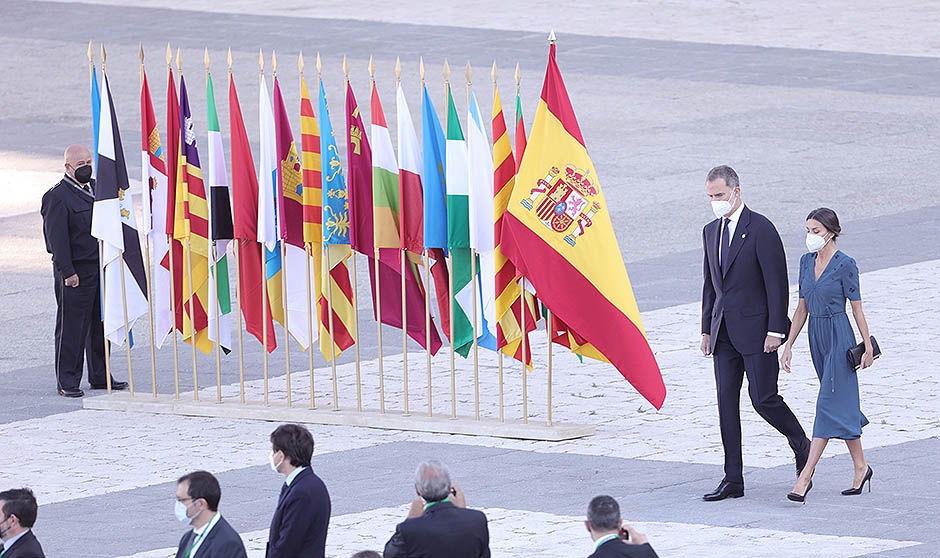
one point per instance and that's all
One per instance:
(509, 334)
(312, 200)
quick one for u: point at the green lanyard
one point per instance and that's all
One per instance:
(196, 542)
(428, 505)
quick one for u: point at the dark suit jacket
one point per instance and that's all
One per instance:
(221, 542)
(66, 226)
(751, 297)
(443, 531)
(25, 547)
(616, 548)
(298, 528)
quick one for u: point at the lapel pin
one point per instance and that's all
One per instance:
(743, 235)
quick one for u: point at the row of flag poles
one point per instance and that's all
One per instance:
(491, 222)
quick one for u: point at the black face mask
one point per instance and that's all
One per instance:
(83, 174)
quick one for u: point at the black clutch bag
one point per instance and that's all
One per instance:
(856, 353)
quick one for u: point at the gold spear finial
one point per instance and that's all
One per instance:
(371, 67)
(205, 58)
(91, 54)
(398, 70)
(446, 71)
(274, 62)
(345, 68)
(551, 36)
(104, 58)
(469, 72)
(229, 60)
(179, 60)
(300, 63)
(261, 61)
(319, 65)
(421, 68)
(169, 55)
(494, 73)
(141, 50)
(518, 75)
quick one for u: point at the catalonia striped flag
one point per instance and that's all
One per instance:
(312, 200)
(192, 225)
(509, 334)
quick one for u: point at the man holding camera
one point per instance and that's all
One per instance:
(612, 538)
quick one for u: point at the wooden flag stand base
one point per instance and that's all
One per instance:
(368, 418)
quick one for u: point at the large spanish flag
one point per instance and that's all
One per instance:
(557, 232)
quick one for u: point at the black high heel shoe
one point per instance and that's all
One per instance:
(801, 498)
(857, 491)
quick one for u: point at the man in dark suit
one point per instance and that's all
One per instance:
(439, 525)
(197, 505)
(18, 508)
(298, 528)
(613, 539)
(66, 219)
(744, 321)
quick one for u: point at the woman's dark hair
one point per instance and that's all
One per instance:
(295, 441)
(826, 218)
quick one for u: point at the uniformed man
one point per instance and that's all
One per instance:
(66, 214)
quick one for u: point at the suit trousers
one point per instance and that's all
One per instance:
(78, 328)
(762, 370)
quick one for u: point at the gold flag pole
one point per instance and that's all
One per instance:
(473, 281)
(146, 190)
(238, 288)
(327, 276)
(352, 263)
(525, 370)
(284, 303)
(307, 254)
(404, 296)
(378, 289)
(169, 237)
(214, 276)
(450, 283)
(499, 353)
(127, 336)
(548, 322)
(187, 252)
(101, 285)
(264, 272)
(427, 286)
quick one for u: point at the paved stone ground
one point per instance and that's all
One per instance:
(684, 86)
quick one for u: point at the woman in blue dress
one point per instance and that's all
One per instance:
(827, 278)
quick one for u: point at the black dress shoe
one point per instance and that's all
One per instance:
(115, 386)
(801, 498)
(855, 491)
(725, 490)
(71, 392)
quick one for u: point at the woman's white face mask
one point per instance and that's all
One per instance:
(815, 242)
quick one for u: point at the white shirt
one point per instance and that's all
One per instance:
(9, 543)
(203, 532)
(732, 226)
(293, 475)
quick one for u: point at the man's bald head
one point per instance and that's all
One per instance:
(76, 156)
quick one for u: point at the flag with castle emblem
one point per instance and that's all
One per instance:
(558, 234)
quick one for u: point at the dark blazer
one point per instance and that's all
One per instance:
(25, 547)
(298, 528)
(751, 296)
(221, 542)
(66, 226)
(616, 548)
(442, 531)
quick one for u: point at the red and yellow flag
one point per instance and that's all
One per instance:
(557, 232)
(509, 334)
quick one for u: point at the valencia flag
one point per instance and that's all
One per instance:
(557, 232)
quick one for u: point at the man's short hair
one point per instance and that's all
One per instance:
(22, 503)
(432, 480)
(725, 173)
(603, 514)
(295, 441)
(202, 484)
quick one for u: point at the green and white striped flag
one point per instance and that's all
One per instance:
(458, 229)
(220, 227)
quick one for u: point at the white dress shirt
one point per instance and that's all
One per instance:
(293, 475)
(9, 543)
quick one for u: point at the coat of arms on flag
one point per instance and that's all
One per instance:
(565, 200)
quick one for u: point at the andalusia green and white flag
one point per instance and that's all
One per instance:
(458, 229)
(220, 227)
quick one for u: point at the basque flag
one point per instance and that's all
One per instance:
(114, 223)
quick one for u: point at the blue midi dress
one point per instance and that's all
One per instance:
(838, 412)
